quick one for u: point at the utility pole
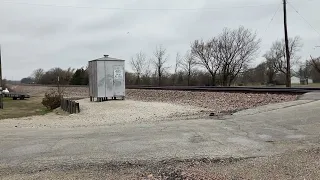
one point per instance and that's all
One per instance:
(59, 92)
(288, 77)
(1, 95)
(0, 69)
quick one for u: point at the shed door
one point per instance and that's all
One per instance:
(118, 80)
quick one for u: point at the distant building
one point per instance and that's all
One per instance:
(296, 80)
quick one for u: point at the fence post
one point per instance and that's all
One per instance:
(67, 105)
(74, 107)
(64, 104)
(70, 106)
(78, 107)
(61, 103)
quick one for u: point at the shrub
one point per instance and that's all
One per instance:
(52, 100)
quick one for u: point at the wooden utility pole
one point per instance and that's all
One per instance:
(288, 77)
(0, 69)
(59, 92)
(1, 95)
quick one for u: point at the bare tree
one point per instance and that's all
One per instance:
(68, 74)
(176, 67)
(146, 73)
(138, 64)
(187, 64)
(226, 54)
(315, 63)
(159, 62)
(277, 54)
(204, 52)
(270, 72)
(37, 75)
(234, 49)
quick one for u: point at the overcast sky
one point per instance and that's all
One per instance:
(68, 33)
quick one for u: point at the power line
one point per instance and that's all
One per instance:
(272, 18)
(138, 9)
(304, 18)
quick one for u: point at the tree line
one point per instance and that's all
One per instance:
(57, 75)
(223, 60)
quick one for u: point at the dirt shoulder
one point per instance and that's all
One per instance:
(301, 164)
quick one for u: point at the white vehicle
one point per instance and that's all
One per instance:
(6, 91)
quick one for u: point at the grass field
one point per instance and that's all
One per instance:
(22, 108)
(316, 85)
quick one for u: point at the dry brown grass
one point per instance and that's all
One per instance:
(22, 108)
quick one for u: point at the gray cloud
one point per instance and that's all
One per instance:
(70, 33)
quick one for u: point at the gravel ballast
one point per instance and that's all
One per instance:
(219, 102)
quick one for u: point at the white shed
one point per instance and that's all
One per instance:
(295, 80)
(106, 78)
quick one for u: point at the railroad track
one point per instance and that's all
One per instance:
(297, 90)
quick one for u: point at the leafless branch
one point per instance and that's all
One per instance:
(160, 61)
(205, 56)
(187, 64)
(316, 63)
(138, 64)
(234, 50)
(176, 67)
(277, 54)
(38, 74)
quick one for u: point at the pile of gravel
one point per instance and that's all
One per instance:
(220, 102)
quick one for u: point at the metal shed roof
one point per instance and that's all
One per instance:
(107, 58)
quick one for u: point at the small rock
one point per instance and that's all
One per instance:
(212, 114)
(150, 176)
(15, 126)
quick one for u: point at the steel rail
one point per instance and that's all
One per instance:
(298, 90)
